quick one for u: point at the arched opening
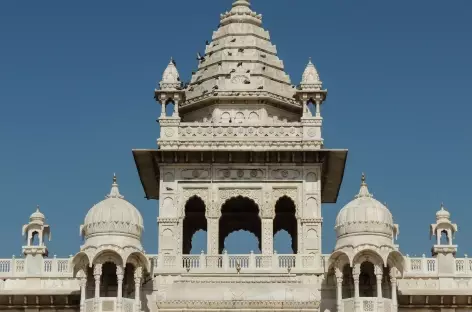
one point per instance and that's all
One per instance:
(239, 214)
(367, 280)
(311, 107)
(283, 242)
(285, 219)
(35, 239)
(108, 280)
(444, 239)
(170, 107)
(128, 281)
(194, 221)
(348, 282)
(386, 283)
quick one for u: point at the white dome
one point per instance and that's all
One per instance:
(114, 216)
(364, 216)
(37, 216)
(443, 214)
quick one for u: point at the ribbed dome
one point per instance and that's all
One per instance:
(364, 214)
(443, 214)
(37, 216)
(114, 215)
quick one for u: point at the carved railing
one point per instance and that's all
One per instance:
(421, 266)
(18, 267)
(368, 304)
(236, 263)
(105, 304)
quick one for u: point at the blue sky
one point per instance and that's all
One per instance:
(76, 96)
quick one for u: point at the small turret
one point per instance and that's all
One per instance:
(443, 226)
(170, 90)
(35, 233)
(311, 78)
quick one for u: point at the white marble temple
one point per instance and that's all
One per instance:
(241, 150)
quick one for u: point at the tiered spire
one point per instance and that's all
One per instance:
(114, 192)
(311, 78)
(170, 77)
(240, 60)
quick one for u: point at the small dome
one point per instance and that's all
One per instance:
(37, 216)
(114, 215)
(170, 77)
(364, 214)
(443, 214)
(311, 78)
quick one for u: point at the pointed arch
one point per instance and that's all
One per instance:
(194, 221)
(286, 220)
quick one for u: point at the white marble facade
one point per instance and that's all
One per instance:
(242, 149)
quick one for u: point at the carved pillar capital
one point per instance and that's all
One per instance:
(97, 270)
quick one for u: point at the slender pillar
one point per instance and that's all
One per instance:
(267, 236)
(212, 236)
(138, 273)
(318, 110)
(176, 108)
(339, 289)
(356, 272)
(378, 276)
(83, 285)
(393, 281)
(97, 273)
(163, 107)
(119, 295)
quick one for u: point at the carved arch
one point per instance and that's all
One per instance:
(224, 195)
(292, 193)
(188, 193)
(368, 255)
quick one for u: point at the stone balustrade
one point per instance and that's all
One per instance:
(368, 304)
(110, 305)
(237, 263)
(280, 135)
(423, 266)
(18, 267)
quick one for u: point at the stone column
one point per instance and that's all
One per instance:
(176, 108)
(356, 272)
(119, 295)
(83, 285)
(318, 110)
(163, 107)
(378, 277)
(97, 273)
(267, 236)
(393, 281)
(339, 289)
(138, 273)
(212, 236)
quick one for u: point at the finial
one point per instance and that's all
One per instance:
(309, 60)
(114, 192)
(442, 206)
(364, 191)
(37, 208)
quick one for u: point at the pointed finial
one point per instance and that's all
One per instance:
(114, 192)
(37, 208)
(442, 206)
(364, 191)
(309, 60)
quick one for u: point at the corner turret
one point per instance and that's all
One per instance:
(35, 233)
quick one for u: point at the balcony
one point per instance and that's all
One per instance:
(368, 304)
(110, 305)
(195, 135)
(249, 263)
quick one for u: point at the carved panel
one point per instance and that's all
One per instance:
(285, 174)
(194, 174)
(240, 174)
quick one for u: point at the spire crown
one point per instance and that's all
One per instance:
(364, 190)
(115, 192)
(311, 78)
(443, 213)
(170, 77)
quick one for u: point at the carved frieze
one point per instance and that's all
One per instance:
(240, 174)
(253, 194)
(285, 174)
(195, 174)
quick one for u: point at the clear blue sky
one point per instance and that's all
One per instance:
(76, 96)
